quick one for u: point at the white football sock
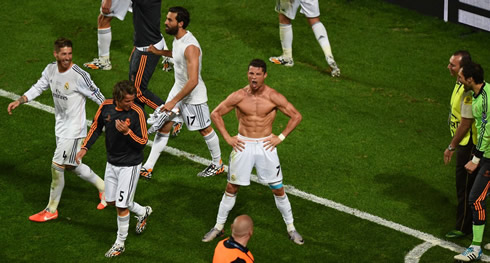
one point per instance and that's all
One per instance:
(137, 209)
(57, 185)
(227, 203)
(212, 140)
(321, 35)
(104, 38)
(284, 206)
(84, 172)
(122, 228)
(159, 144)
(286, 36)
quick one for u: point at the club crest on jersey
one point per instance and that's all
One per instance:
(67, 86)
(108, 119)
(128, 121)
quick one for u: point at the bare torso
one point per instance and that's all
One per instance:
(256, 112)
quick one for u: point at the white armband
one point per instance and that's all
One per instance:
(281, 137)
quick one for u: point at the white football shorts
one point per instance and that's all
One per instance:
(120, 184)
(266, 163)
(66, 151)
(289, 8)
(195, 116)
(119, 8)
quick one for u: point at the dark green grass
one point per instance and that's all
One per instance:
(184, 209)
(372, 140)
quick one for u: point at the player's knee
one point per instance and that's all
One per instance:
(232, 188)
(284, 19)
(103, 21)
(113, 203)
(277, 188)
(122, 211)
(206, 131)
(313, 20)
(58, 167)
(70, 167)
(166, 128)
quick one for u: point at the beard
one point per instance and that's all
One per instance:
(171, 30)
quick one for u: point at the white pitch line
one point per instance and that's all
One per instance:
(415, 254)
(430, 240)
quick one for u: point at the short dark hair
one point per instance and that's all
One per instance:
(182, 15)
(465, 57)
(62, 42)
(122, 88)
(258, 63)
(473, 70)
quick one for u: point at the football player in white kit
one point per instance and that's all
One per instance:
(188, 93)
(256, 106)
(287, 10)
(108, 10)
(70, 87)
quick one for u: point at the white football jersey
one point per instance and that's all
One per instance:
(198, 95)
(70, 90)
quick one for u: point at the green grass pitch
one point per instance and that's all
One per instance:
(372, 140)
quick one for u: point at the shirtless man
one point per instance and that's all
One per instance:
(256, 106)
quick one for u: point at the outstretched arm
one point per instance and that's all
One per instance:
(41, 85)
(15, 104)
(160, 52)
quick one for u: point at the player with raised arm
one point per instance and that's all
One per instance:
(256, 106)
(70, 86)
(187, 96)
(126, 137)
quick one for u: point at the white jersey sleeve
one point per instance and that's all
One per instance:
(87, 87)
(41, 85)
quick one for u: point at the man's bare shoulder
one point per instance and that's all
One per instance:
(241, 93)
(236, 96)
(271, 92)
(275, 96)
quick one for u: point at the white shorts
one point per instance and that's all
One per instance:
(119, 8)
(195, 116)
(120, 184)
(289, 8)
(266, 163)
(66, 151)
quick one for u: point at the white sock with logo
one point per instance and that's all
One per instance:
(212, 141)
(321, 36)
